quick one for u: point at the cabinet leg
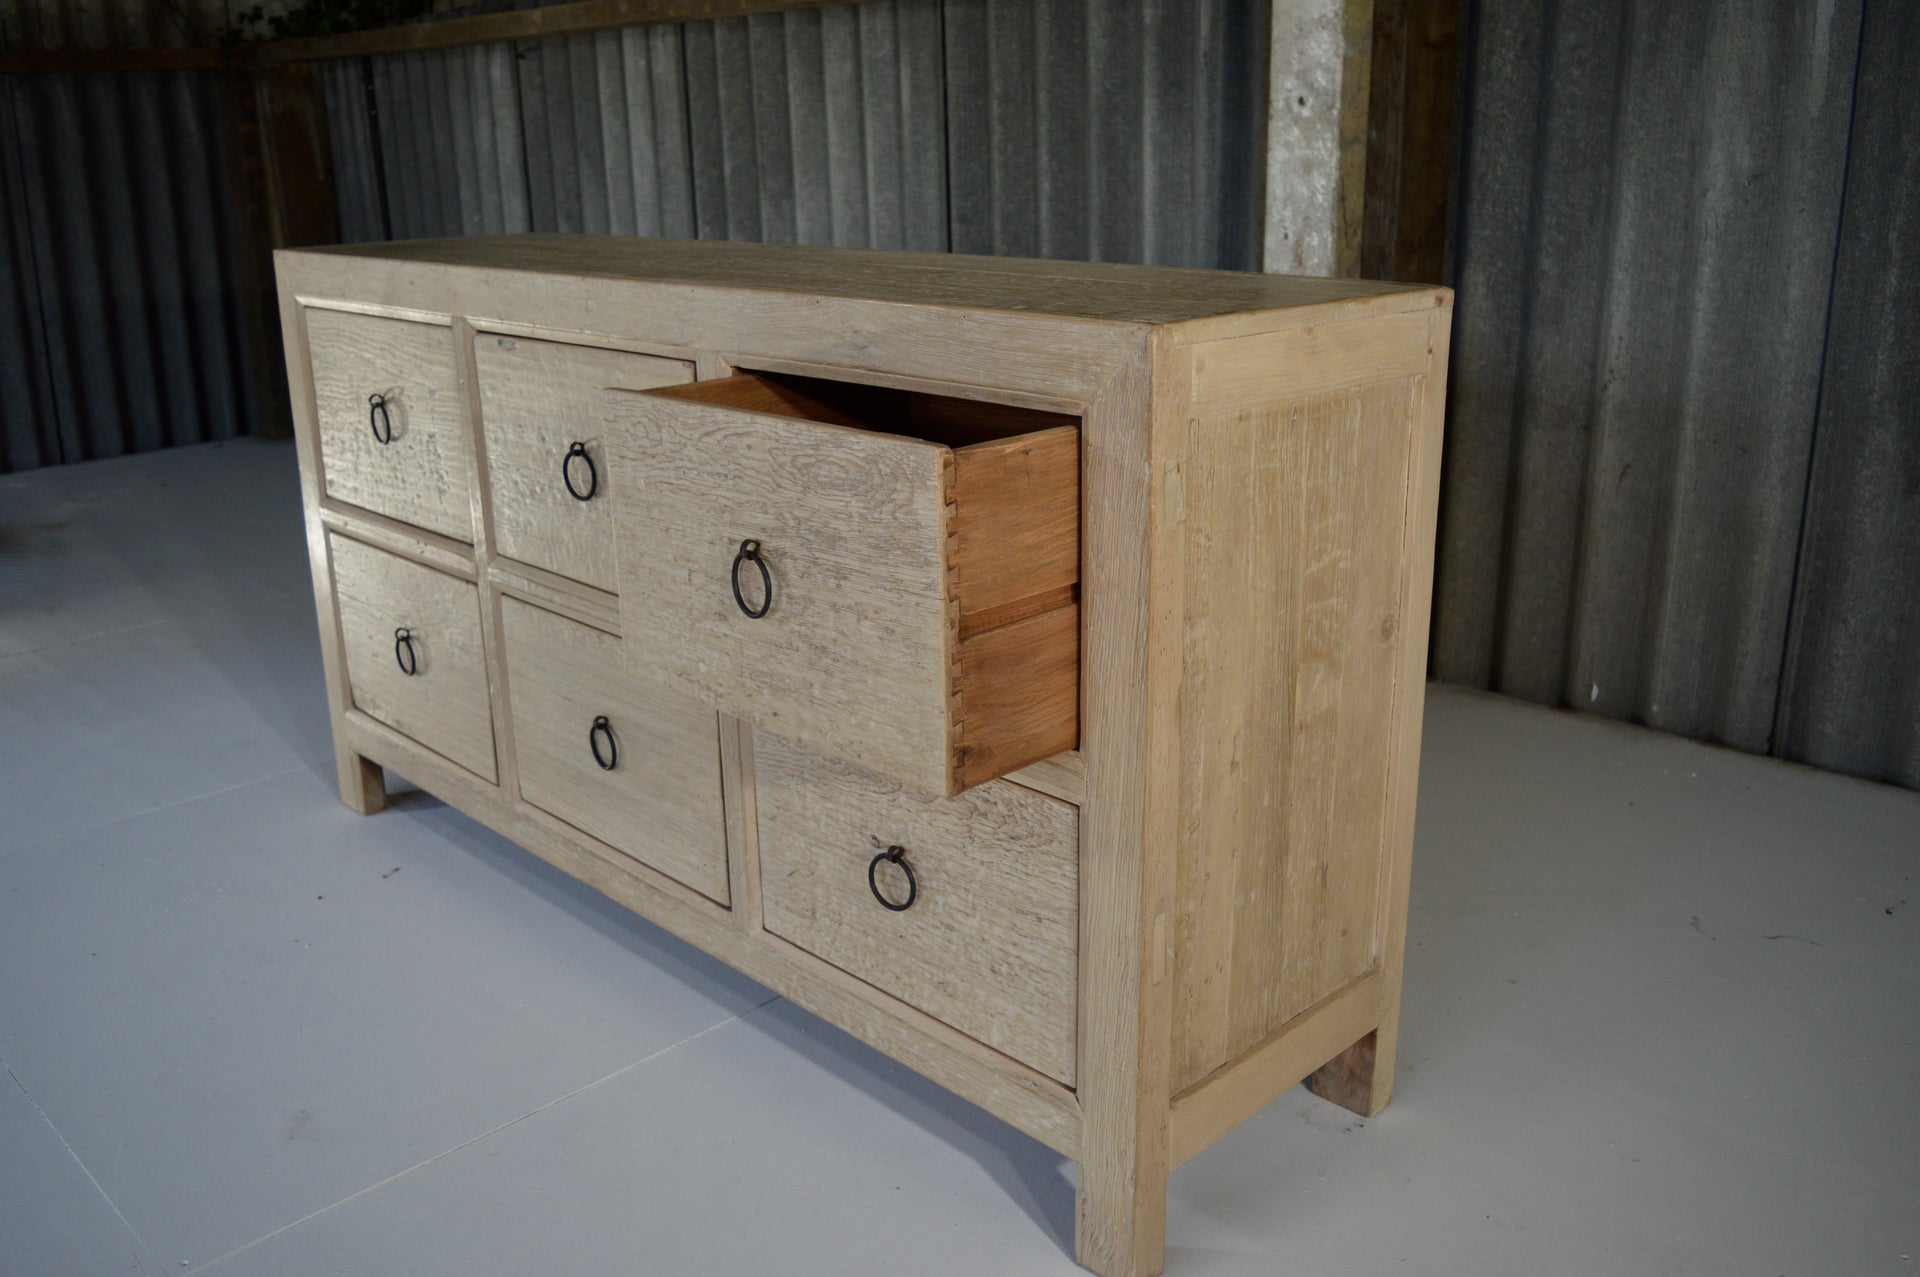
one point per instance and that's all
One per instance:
(1121, 1223)
(1361, 1077)
(363, 786)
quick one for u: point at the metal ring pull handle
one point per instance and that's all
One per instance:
(378, 417)
(895, 855)
(403, 653)
(750, 553)
(566, 472)
(599, 729)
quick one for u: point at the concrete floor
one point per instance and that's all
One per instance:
(1662, 1008)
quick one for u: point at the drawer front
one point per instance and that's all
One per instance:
(852, 655)
(988, 944)
(442, 703)
(408, 459)
(660, 800)
(548, 472)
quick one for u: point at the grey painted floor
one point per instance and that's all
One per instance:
(1662, 1009)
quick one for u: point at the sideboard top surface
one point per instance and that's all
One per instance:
(1098, 291)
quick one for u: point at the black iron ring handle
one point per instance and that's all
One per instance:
(378, 416)
(750, 553)
(566, 472)
(403, 653)
(603, 728)
(896, 855)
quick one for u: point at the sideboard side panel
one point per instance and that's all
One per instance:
(362, 783)
(1299, 508)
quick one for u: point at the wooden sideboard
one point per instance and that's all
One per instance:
(1018, 664)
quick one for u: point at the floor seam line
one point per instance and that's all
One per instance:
(149, 1252)
(469, 1143)
(75, 640)
(151, 811)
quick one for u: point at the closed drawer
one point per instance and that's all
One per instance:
(415, 660)
(889, 578)
(631, 765)
(393, 438)
(987, 944)
(548, 473)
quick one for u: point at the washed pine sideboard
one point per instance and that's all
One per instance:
(1018, 664)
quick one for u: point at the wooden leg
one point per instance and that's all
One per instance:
(1361, 1077)
(363, 786)
(1121, 1220)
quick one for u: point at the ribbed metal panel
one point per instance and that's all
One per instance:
(357, 183)
(449, 141)
(1107, 130)
(29, 436)
(1852, 699)
(1124, 130)
(121, 280)
(820, 126)
(1651, 202)
(606, 133)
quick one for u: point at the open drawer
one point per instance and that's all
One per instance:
(888, 577)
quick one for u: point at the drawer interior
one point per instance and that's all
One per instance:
(944, 419)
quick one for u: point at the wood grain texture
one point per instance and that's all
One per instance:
(1016, 519)
(1243, 618)
(1348, 1078)
(661, 802)
(362, 786)
(743, 823)
(853, 654)
(444, 705)
(537, 398)
(1129, 449)
(1011, 1091)
(1228, 1096)
(872, 542)
(420, 478)
(405, 540)
(989, 943)
(1410, 151)
(1017, 695)
(1064, 776)
(556, 593)
(1365, 1076)
(1235, 374)
(1295, 515)
(486, 28)
(1080, 290)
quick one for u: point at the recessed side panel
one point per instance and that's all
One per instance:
(1295, 520)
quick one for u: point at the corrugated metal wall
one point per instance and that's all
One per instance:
(1122, 130)
(1647, 387)
(120, 327)
(1851, 699)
